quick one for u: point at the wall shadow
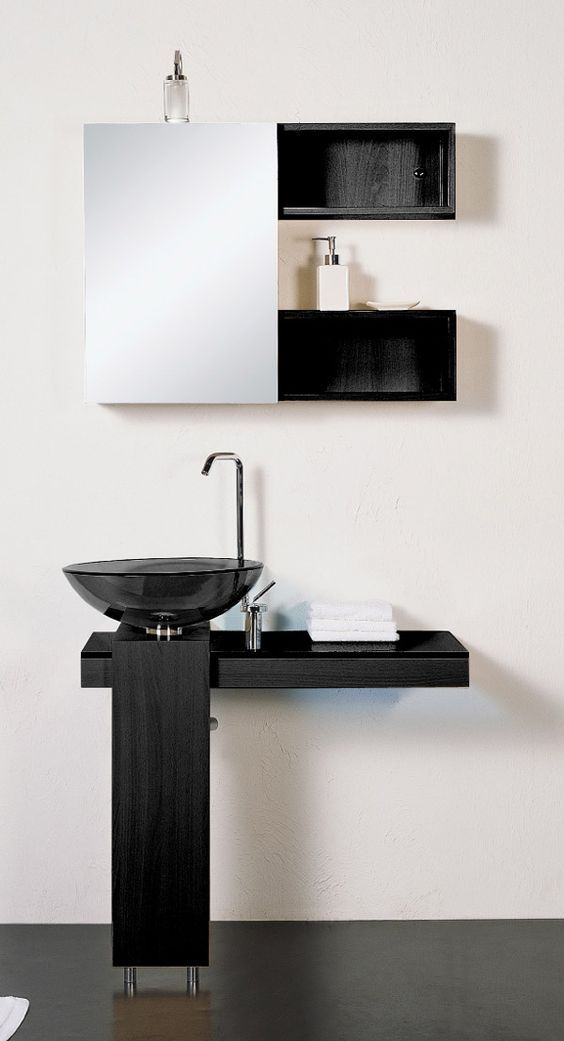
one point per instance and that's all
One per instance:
(476, 178)
(272, 787)
(258, 498)
(270, 868)
(521, 707)
(306, 283)
(477, 367)
(529, 708)
(362, 283)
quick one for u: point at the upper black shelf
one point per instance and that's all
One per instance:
(290, 659)
(366, 171)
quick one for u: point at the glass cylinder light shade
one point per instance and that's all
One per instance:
(176, 100)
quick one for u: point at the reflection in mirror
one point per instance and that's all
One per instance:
(161, 1016)
(181, 262)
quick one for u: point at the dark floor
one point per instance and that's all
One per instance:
(299, 981)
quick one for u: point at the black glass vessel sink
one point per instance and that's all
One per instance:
(165, 591)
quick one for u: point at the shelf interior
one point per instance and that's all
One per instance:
(367, 355)
(365, 170)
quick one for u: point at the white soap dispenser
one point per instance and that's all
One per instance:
(332, 280)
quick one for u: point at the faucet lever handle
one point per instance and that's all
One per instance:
(263, 591)
(253, 619)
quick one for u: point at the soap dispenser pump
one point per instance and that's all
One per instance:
(332, 279)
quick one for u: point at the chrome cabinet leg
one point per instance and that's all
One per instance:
(129, 979)
(192, 979)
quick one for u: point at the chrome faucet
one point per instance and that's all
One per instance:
(206, 469)
(253, 618)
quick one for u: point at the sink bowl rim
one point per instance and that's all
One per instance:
(91, 567)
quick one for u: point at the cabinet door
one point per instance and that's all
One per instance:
(181, 262)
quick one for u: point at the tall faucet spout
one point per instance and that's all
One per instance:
(235, 459)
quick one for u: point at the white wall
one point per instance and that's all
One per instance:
(384, 804)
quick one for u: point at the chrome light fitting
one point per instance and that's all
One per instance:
(176, 94)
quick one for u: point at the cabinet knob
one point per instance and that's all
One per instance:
(419, 172)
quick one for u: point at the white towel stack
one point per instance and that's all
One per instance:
(368, 621)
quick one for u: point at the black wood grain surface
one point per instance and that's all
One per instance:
(160, 800)
(289, 659)
(364, 355)
(372, 171)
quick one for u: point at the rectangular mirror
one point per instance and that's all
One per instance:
(181, 262)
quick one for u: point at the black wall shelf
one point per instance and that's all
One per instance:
(366, 171)
(367, 355)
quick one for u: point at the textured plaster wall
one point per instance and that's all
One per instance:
(385, 804)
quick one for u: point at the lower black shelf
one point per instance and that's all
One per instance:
(367, 355)
(290, 660)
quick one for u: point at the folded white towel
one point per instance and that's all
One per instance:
(352, 636)
(12, 1015)
(356, 625)
(363, 610)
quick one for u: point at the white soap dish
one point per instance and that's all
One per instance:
(375, 305)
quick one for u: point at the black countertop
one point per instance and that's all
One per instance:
(289, 659)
